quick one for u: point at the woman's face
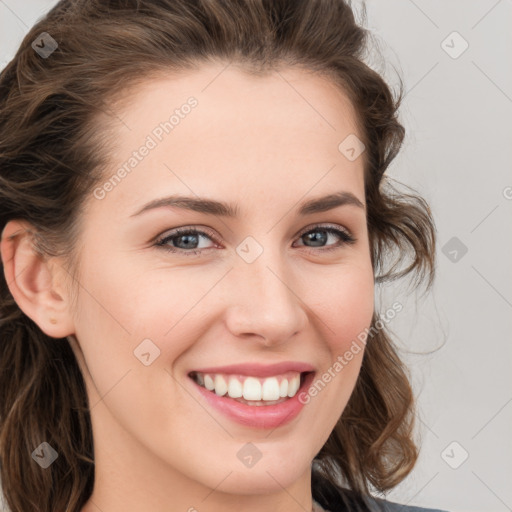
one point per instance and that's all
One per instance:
(266, 284)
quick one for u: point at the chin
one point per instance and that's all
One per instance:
(252, 481)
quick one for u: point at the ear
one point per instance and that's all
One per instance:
(36, 283)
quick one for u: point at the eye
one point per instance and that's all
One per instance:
(187, 238)
(186, 241)
(326, 231)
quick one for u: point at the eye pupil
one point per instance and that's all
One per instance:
(187, 243)
(313, 237)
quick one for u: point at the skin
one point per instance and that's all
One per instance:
(266, 144)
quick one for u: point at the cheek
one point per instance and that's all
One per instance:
(345, 305)
(344, 308)
(346, 313)
(121, 326)
(355, 306)
(122, 319)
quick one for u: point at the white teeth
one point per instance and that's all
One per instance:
(283, 388)
(252, 389)
(235, 389)
(221, 387)
(208, 383)
(268, 389)
(293, 385)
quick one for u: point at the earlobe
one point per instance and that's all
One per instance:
(35, 282)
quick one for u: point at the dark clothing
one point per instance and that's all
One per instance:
(336, 499)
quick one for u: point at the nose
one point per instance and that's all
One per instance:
(263, 301)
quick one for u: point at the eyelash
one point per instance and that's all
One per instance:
(345, 236)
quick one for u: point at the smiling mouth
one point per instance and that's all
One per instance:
(252, 390)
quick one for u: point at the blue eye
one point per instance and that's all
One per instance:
(345, 237)
(189, 239)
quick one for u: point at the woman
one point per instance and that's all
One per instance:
(194, 214)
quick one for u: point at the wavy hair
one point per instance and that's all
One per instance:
(53, 149)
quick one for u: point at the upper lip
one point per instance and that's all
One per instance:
(259, 370)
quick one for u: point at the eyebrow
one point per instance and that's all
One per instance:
(212, 207)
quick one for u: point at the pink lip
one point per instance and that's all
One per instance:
(265, 416)
(260, 370)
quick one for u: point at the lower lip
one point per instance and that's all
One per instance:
(264, 416)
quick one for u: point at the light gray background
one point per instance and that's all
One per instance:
(458, 154)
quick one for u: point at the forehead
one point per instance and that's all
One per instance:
(216, 127)
(294, 92)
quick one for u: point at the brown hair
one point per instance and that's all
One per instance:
(51, 158)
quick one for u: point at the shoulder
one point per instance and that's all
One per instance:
(371, 504)
(334, 498)
(380, 505)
